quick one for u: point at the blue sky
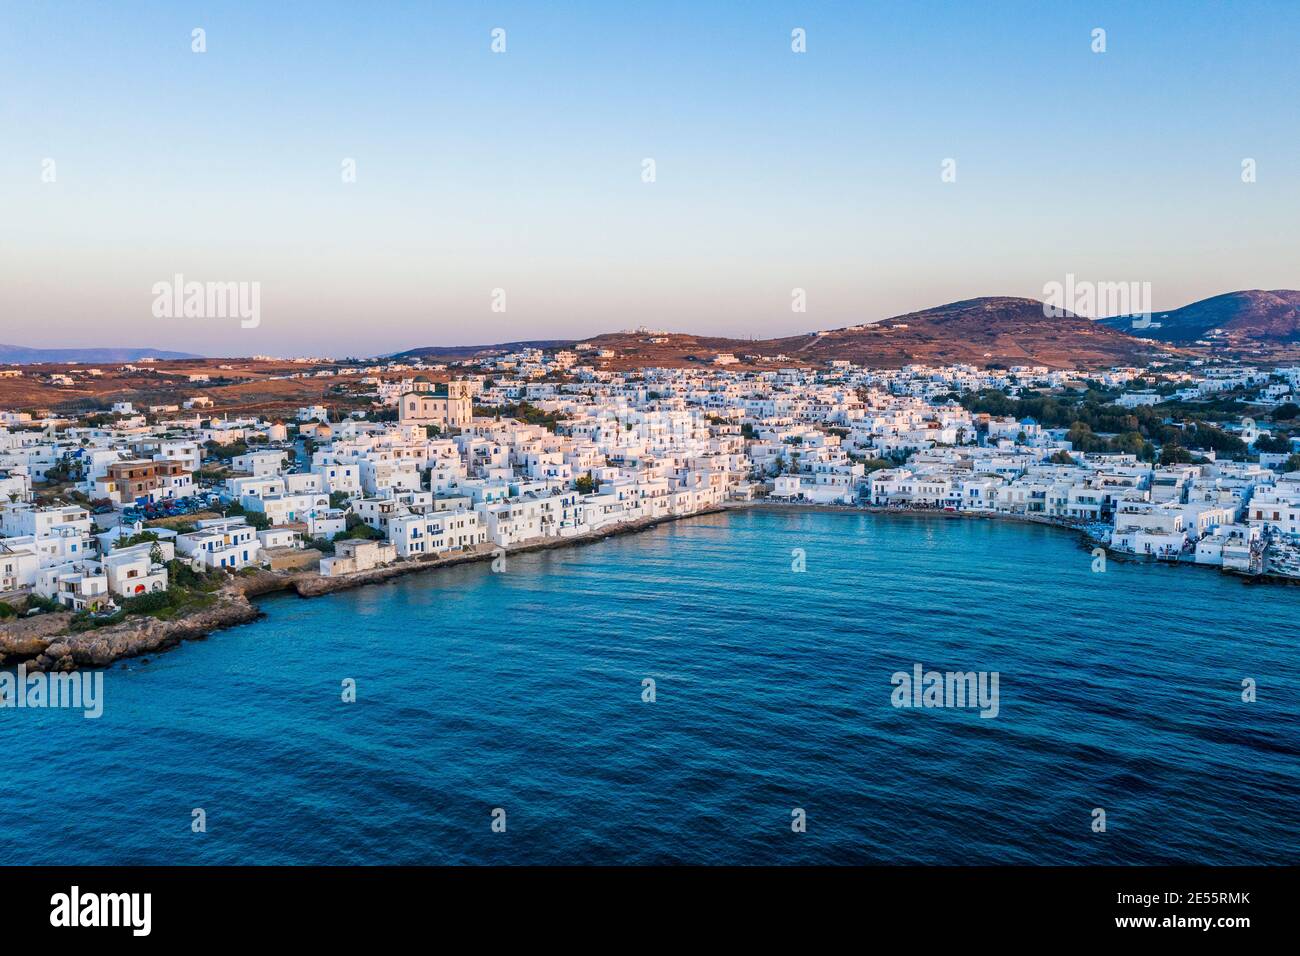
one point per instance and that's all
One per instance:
(522, 170)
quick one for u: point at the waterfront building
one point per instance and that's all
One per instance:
(355, 555)
(229, 543)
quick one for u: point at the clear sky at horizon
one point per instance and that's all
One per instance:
(523, 170)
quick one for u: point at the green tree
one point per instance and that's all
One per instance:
(1277, 444)
(140, 538)
(356, 528)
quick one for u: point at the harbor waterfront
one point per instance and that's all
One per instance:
(525, 691)
(43, 645)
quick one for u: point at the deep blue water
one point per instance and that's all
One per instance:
(522, 690)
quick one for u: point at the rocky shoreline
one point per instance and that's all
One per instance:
(44, 642)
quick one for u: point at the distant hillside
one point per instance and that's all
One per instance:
(1253, 316)
(17, 355)
(996, 330)
(1000, 330)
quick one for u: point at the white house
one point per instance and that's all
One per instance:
(18, 567)
(78, 586)
(283, 509)
(228, 543)
(260, 463)
(786, 486)
(417, 534)
(132, 570)
(326, 523)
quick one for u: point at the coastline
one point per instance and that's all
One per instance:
(43, 644)
(795, 506)
(1087, 539)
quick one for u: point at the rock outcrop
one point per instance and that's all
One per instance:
(51, 648)
(25, 637)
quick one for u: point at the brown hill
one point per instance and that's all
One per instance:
(989, 331)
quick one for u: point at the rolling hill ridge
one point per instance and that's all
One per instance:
(1253, 316)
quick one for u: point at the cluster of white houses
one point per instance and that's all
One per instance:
(450, 474)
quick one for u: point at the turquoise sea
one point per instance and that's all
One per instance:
(523, 691)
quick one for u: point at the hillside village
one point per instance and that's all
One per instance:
(123, 510)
